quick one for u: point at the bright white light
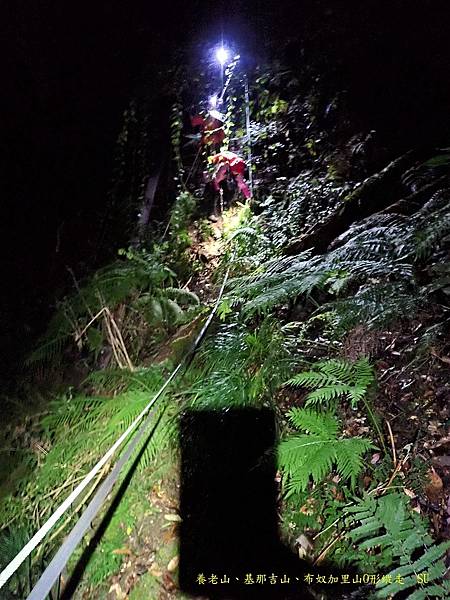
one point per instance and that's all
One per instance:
(222, 55)
(213, 101)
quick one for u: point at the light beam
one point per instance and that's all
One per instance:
(222, 55)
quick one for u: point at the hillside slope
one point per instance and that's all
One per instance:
(334, 320)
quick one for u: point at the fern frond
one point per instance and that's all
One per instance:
(313, 455)
(310, 380)
(321, 424)
(333, 379)
(376, 305)
(108, 381)
(142, 283)
(428, 239)
(430, 562)
(82, 412)
(326, 395)
(338, 370)
(387, 526)
(49, 350)
(349, 457)
(363, 372)
(240, 366)
(303, 457)
(432, 591)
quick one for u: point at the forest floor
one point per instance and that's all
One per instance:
(413, 398)
(148, 559)
(150, 551)
(289, 308)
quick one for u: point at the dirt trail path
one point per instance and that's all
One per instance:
(150, 556)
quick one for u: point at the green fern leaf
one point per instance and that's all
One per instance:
(313, 455)
(349, 457)
(333, 379)
(309, 379)
(338, 370)
(431, 591)
(325, 395)
(323, 424)
(389, 528)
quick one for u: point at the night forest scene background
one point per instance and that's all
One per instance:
(225, 300)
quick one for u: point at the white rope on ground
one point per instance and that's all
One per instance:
(64, 506)
(12, 567)
(53, 571)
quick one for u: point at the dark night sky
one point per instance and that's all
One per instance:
(69, 70)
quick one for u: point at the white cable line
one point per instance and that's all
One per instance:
(12, 567)
(59, 561)
(42, 532)
(48, 578)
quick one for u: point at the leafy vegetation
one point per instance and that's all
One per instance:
(121, 303)
(313, 453)
(334, 379)
(389, 533)
(284, 338)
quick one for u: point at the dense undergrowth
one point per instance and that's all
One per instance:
(307, 335)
